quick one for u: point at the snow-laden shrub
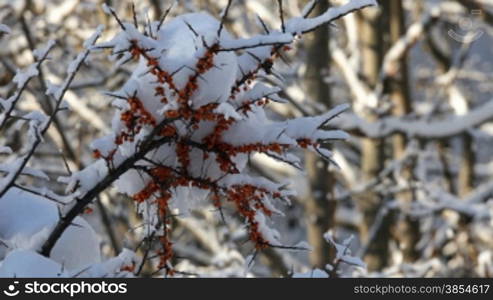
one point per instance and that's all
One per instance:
(186, 123)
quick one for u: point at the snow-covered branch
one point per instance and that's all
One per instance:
(448, 127)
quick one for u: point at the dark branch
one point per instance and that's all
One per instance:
(281, 15)
(161, 21)
(223, 18)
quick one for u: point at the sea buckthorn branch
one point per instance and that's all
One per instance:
(204, 64)
(162, 76)
(247, 198)
(309, 25)
(149, 144)
(243, 198)
(184, 128)
(261, 101)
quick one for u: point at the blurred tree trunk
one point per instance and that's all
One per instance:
(371, 40)
(407, 229)
(465, 180)
(319, 205)
(466, 171)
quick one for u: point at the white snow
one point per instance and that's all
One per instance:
(86, 178)
(26, 263)
(316, 273)
(257, 41)
(27, 219)
(110, 267)
(343, 252)
(22, 77)
(88, 43)
(301, 25)
(5, 29)
(447, 127)
(107, 10)
(5, 150)
(40, 54)
(7, 168)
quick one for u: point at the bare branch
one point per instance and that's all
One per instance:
(42, 128)
(223, 18)
(163, 17)
(12, 101)
(281, 15)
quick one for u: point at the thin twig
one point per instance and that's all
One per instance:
(281, 15)
(223, 18)
(163, 17)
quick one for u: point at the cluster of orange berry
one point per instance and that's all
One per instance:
(205, 113)
(183, 154)
(215, 137)
(162, 203)
(133, 119)
(165, 254)
(247, 106)
(226, 165)
(244, 196)
(160, 173)
(156, 70)
(248, 199)
(159, 91)
(168, 131)
(305, 143)
(249, 148)
(204, 64)
(97, 155)
(150, 189)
